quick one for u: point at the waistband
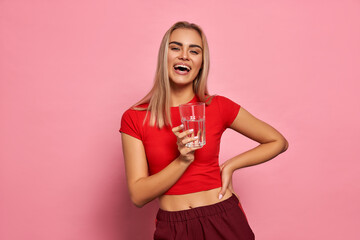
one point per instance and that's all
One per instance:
(183, 215)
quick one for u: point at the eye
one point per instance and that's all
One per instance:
(194, 52)
(174, 48)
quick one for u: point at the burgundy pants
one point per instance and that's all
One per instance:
(225, 220)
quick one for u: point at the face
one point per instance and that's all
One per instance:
(184, 56)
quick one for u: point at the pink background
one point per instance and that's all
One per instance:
(69, 69)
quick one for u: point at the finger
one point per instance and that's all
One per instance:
(180, 144)
(221, 167)
(185, 133)
(177, 129)
(187, 140)
(231, 186)
(224, 186)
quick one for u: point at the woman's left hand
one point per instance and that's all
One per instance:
(226, 180)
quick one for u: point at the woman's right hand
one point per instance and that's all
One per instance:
(186, 153)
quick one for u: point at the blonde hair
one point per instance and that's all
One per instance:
(159, 96)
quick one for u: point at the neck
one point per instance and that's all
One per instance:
(181, 95)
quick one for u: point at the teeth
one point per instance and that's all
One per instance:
(183, 66)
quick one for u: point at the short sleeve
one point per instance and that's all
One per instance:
(228, 110)
(130, 124)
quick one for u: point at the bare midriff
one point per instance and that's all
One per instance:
(192, 200)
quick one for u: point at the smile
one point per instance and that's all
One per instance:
(182, 68)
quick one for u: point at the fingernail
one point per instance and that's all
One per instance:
(191, 130)
(220, 196)
(182, 125)
(196, 137)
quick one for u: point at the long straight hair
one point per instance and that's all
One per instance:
(159, 96)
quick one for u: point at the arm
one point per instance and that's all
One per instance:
(142, 187)
(271, 144)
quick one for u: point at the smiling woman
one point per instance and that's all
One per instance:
(184, 57)
(196, 197)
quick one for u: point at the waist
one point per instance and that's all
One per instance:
(190, 214)
(192, 200)
(197, 178)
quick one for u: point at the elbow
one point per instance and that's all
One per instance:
(138, 196)
(284, 145)
(139, 203)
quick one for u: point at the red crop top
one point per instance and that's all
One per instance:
(161, 148)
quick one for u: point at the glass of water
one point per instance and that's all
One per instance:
(193, 117)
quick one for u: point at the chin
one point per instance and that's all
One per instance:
(181, 83)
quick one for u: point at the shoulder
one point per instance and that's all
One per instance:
(132, 121)
(136, 109)
(219, 99)
(227, 109)
(135, 113)
(129, 113)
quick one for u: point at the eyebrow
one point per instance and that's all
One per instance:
(180, 44)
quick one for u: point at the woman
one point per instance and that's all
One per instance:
(195, 194)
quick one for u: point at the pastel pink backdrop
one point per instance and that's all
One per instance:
(69, 69)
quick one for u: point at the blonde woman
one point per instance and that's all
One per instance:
(195, 194)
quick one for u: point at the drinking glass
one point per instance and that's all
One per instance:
(193, 117)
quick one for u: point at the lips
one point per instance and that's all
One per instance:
(182, 68)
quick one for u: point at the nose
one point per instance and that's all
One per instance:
(184, 55)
